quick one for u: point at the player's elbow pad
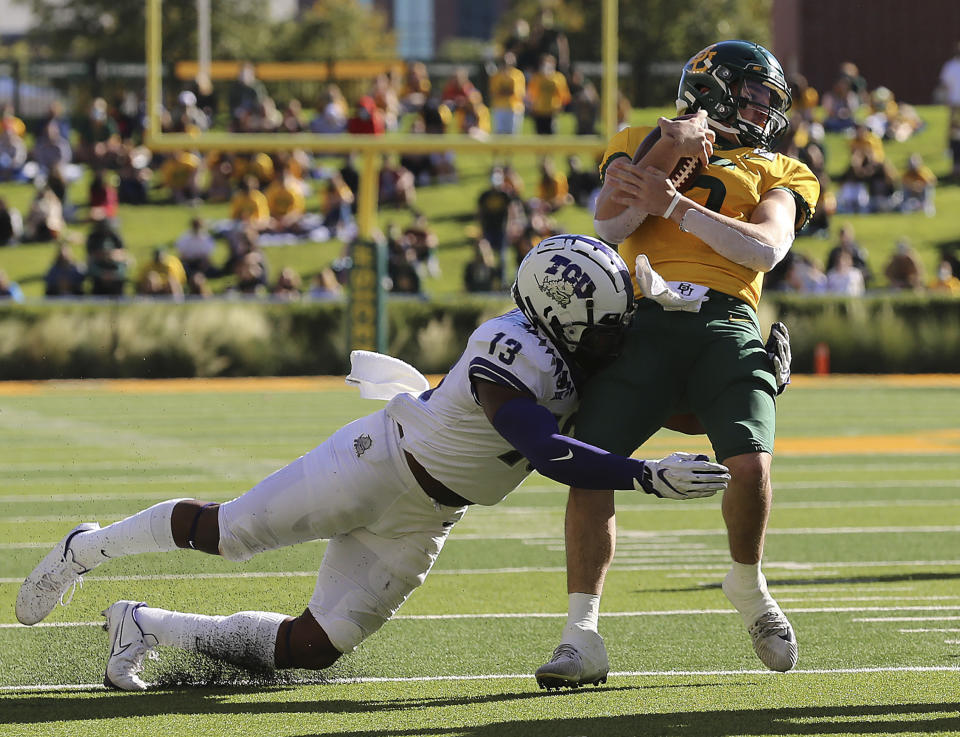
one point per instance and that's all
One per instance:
(618, 228)
(734, 245)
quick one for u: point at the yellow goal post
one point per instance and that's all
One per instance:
(370, 148)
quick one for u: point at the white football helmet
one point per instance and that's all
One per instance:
(578, 291)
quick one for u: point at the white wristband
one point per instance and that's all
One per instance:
(672, 206)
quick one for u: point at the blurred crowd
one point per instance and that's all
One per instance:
(295, 197)
(869, 183)
(848, 270)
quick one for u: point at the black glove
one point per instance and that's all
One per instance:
(778, 349)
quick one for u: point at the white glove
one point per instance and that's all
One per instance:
(686, 298)
(683, 476)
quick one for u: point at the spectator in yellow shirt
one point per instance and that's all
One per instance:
(259, 165)
(472, 116)
(163, 275)
(249, 205)
(548, 95)
(10, 122)
(918, 185)
(507, 89)
(285, 201)
(946, 282)
(180, 173)
(552, 190)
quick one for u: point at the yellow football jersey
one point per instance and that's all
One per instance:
(731, 185)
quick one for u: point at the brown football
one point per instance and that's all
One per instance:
(686, 171)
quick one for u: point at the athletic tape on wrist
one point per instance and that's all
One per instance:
(672, 206)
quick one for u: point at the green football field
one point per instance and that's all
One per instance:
(863, 553)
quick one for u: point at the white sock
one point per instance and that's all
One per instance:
(148, 531)
(746, 588)
(247, 638)
(583, 611)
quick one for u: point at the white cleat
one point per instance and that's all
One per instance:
(774, 641)
(48, 582)
(573, 666)
(128, 647)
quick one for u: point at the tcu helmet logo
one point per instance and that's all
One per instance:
(568, 280)
(362, 444)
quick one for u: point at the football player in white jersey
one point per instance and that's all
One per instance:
(387, 488)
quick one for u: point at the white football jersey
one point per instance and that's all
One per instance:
(445, 428)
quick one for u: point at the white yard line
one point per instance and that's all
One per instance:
(904, 619)
(929, 629)
(782, 599)
(607, 615)
(628, 537)
(526, 676)
(691, 532)
(229, 491)
(795, 566)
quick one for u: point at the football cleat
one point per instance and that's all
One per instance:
(47, 584)
(128, 647)
(774, 641)
(573, 666)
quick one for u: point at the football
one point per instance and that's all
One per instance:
(686, 171)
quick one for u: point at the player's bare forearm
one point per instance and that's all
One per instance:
(590, 532)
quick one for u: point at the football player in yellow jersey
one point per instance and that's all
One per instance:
(700, 260)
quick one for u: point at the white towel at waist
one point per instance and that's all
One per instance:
(379, 376)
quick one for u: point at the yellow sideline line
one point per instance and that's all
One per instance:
(913, 443)
(900, 381)
(333, 383)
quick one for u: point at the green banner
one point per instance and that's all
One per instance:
(367, 313)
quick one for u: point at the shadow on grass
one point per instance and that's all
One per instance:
(218, 700)
(823, 581)
(861, 720)
(905, 718)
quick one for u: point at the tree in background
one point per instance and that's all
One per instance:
(240, 29)
(333, 29)
(114, 30)
(651, 33)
